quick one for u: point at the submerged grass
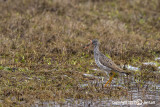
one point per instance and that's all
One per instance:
(42, 55)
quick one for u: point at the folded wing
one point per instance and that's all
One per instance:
(109, 63)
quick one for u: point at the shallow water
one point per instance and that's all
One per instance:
(150, 63)
(157, 58)
(146, 95)
(132, 68)
(142, 95)
(137, 98)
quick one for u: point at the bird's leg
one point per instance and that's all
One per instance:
(110, 80)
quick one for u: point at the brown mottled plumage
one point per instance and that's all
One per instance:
(103, 61)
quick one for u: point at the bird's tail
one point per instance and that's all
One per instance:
(125, 72)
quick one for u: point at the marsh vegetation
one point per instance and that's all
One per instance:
(42, 56)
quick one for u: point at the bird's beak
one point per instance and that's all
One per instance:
(88, 45)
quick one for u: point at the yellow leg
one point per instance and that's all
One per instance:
(110, 80)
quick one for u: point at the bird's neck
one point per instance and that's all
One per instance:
(96, 49)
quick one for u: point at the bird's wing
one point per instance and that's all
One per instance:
(109, 63)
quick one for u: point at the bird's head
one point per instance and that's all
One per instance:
(93, 42)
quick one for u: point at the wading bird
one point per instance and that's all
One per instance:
(103, 62)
